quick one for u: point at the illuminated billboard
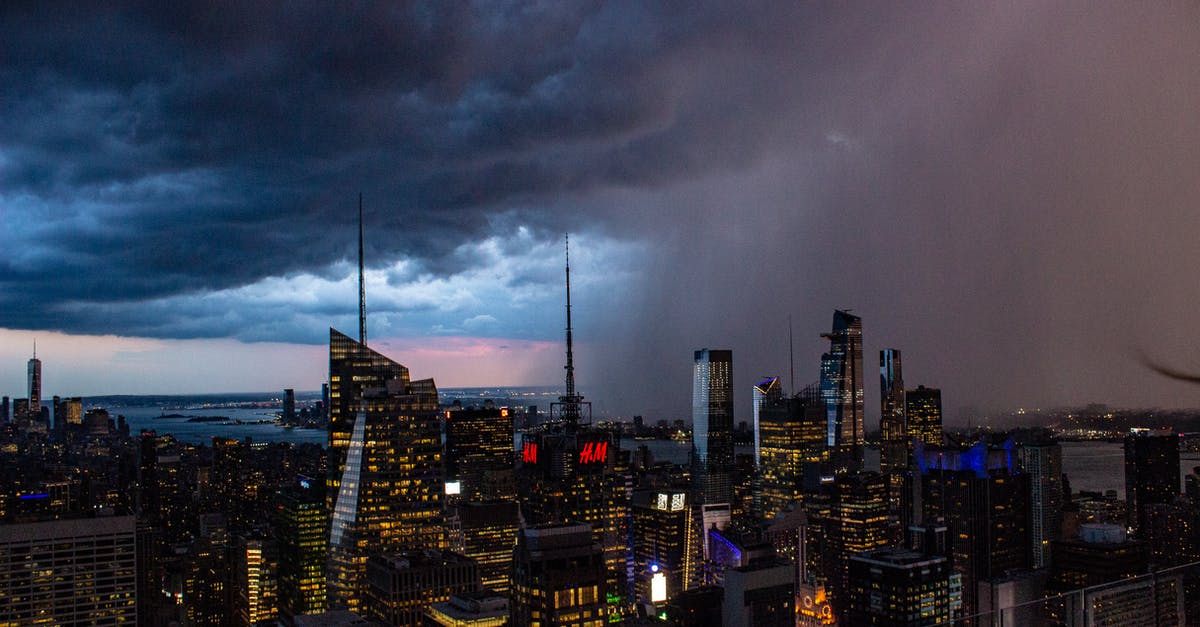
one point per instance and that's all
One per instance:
(658, 588)
(529, 453)
(594, 452)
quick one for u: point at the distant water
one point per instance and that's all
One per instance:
(140, 418)
(1093, 466)
(144, 412)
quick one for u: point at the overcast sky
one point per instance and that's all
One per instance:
(1006, 192)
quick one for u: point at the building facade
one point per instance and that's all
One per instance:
(712, 425)
(69, 572)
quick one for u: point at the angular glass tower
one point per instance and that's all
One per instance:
(712, 425)
(842, 384)
(385, 462)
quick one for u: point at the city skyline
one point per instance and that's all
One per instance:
(1002, 193)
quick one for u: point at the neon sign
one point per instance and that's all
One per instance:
(529, 453)
(594, 452)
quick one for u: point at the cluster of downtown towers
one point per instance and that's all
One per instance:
(577, 531)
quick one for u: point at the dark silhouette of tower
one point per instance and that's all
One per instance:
(1151, 473)
(842, 388)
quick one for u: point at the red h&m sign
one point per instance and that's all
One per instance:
(529, 453)
(593, 452)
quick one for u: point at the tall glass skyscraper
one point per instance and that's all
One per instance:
(35, 385)
(842, 384)
(387, 468)
(712, 425)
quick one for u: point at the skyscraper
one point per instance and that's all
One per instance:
(391, 485)
(893, 430)
(982, 498)
(300, 525)
(1040, 457)
(712, 425)
(489, 534)
(479, 452)
(1151, 472)
(842, 388)
(352, 368)
(661, 526)
(35, 385)
(923, 414)
(793, 438)
(858, 521)
(289, 406)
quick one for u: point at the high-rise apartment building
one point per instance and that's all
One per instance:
(559, 577)
(256, 575)
(712, 425)
(69, 572)
(842, 388)
(1151, 472)
(1040, 457)
(923, 415)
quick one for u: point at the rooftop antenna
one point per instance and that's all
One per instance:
(35, 348)
(362, 288)
(570, 354)
(791, 358)
(570, 402)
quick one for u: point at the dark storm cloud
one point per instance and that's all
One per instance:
(166, 149)
(1007, 193)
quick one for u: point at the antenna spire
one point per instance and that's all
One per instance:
(570, 353)
(570, 401)
(791, 358)
(362, 288)
(35, 348)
